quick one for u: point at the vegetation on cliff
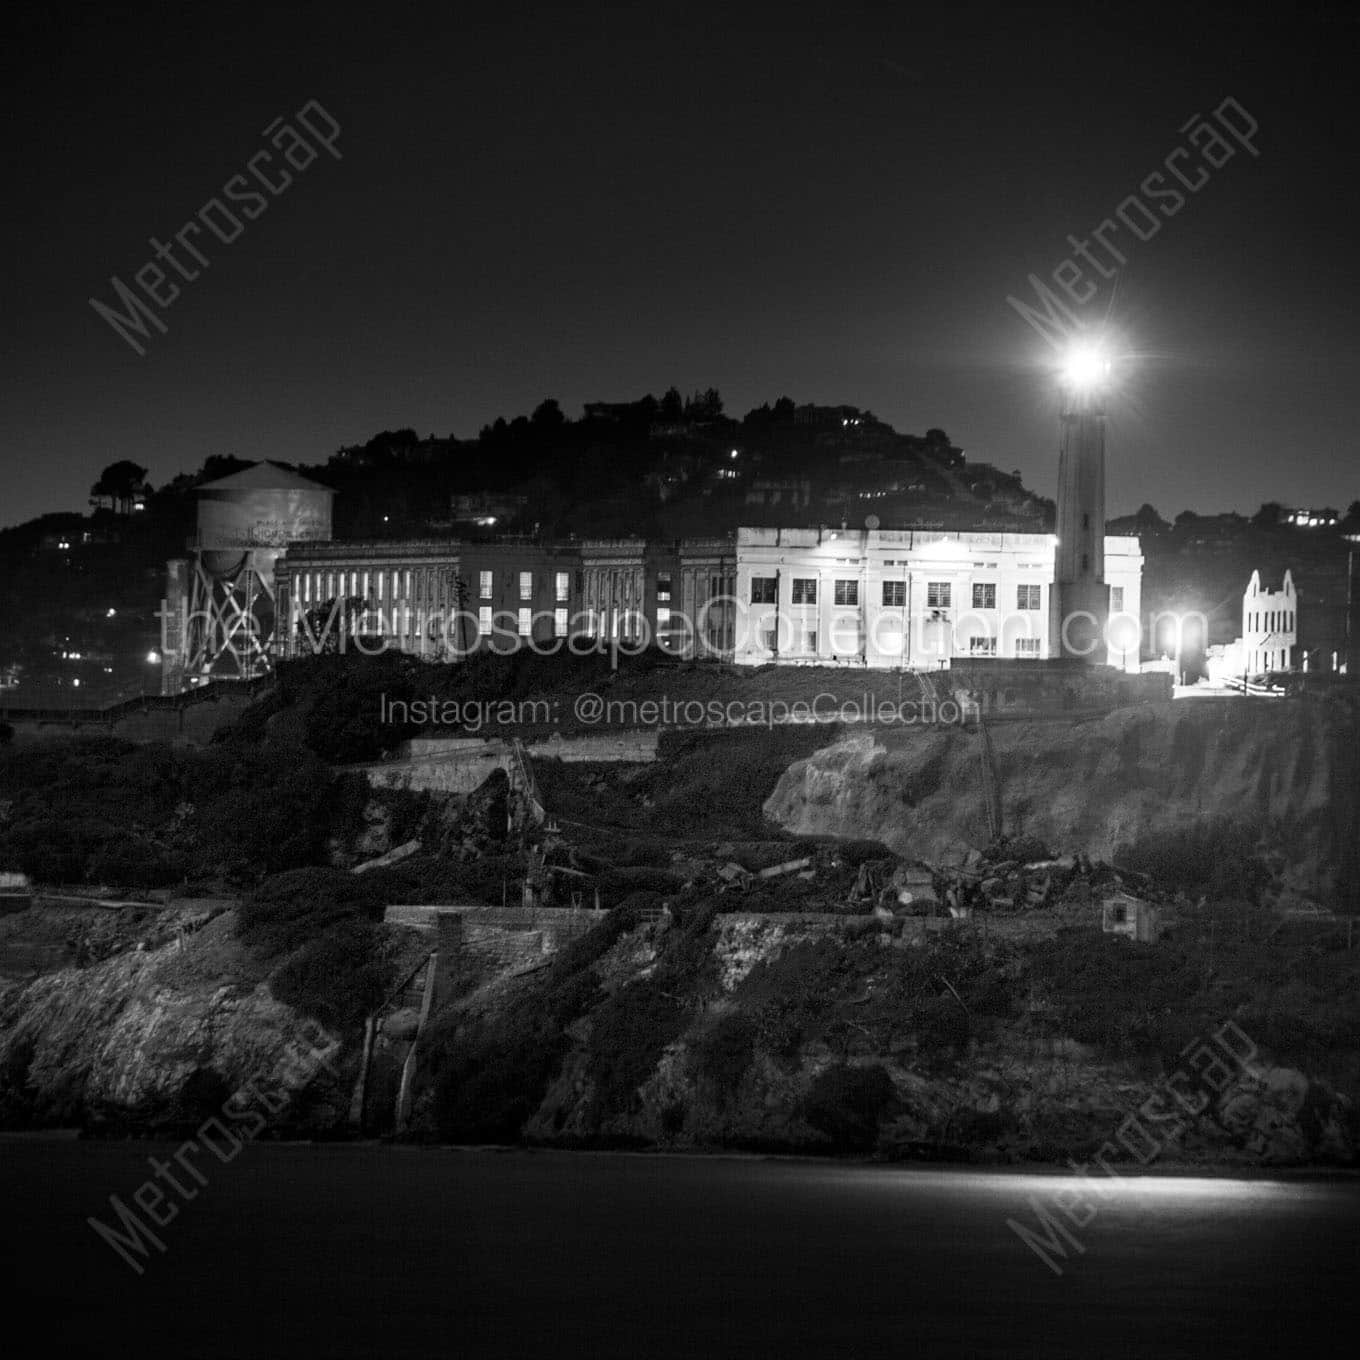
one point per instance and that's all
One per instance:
(962, 1046)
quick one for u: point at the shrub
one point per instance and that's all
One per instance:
(337, 978)
(941, 1024)
(1214, 856)
(315, 926)
(723, 1052)
(294, 908)
(846, 1104)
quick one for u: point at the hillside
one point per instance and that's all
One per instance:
(1132, 784)
(714, 1008)
(775, 1035)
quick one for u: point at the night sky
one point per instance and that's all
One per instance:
(832, 203)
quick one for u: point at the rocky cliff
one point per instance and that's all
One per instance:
(1288, 773)
(832, 1036)
(153, 1037)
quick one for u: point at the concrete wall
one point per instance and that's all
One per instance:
(1001, 688)
(462, 764)
(498, 940)
(637, 747)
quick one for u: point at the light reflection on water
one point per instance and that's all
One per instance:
(358, 1250)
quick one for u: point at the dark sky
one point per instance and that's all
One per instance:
(588, 202)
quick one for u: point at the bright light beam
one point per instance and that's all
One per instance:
(1085, 367)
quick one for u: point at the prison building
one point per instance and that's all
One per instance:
(444, 598)
(915, 599)
(679, 594)
(408, 588)
(520, 591)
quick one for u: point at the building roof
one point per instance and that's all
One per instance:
(265, 476)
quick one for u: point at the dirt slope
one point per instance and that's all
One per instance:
(1289, 770)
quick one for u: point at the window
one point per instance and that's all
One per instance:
(982, 646)
(894, 594)
(563, 586)
(1027, 647)
(768, 639)
(559, 623)
(847, 592)
(484, 621)
(984, 595)
(663, 589)
(663, 619)
(526, 585)
(1029, 597)
(484, 584)
(939, 594)
(811, 643)
(762, 590)
(805, 590)
(1117, 599)
(525, 622)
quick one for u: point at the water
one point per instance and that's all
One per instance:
(351, 1250)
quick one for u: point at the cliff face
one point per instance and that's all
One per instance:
(1287, 771)
(820, 1037)
(125, 1040)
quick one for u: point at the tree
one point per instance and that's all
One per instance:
(672, 406)
(121, 484)
(1149, 521)
(547, 417)
(1268, 516)
(219, 465)
(705, 405)
(784, 410)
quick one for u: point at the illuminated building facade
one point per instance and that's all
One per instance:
(920, 600)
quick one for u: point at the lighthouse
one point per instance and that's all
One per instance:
(1080, 600)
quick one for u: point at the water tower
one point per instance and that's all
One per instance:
(218, 613)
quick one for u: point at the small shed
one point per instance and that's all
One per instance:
(1123, 914)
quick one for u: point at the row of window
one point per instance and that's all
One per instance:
(939, 594)
(1270, 621)
(486, 582)
(977, 646)
(523, 622)
(316, 587)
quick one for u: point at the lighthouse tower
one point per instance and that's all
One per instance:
(1080, 599)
